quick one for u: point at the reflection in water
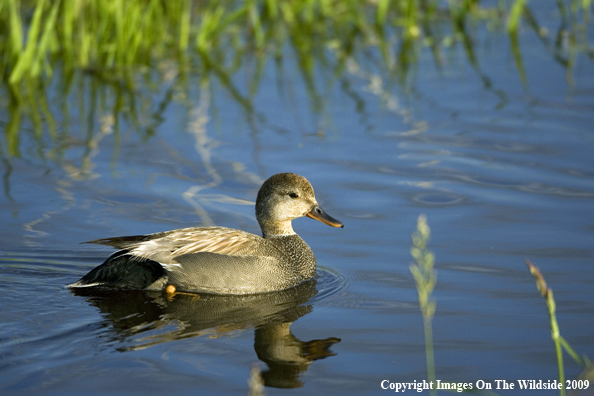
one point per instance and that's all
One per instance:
(134, 313)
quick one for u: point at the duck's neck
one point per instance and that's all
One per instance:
(271, 229)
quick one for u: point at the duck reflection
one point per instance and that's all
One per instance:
(132, 313)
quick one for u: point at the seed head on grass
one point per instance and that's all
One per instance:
(541, 284)
(425, 278)
(422, 270)
(560, 342)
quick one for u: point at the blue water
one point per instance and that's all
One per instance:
(503, 173)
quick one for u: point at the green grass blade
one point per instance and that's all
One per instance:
(25, 61)
(16, 27)
(45, 40)
(515, 15)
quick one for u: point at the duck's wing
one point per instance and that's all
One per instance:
(165, 246)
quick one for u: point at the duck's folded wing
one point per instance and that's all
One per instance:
(165, 246)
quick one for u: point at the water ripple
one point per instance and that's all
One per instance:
(332, 284)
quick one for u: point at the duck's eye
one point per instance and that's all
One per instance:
(293, 195)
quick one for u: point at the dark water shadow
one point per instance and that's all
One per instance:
(150, 318)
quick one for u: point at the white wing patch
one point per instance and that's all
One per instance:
(79, 285)
(170, 266)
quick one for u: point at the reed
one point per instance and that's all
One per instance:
(560, 342)
(425, 278)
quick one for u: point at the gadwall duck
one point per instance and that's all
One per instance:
(217, 259)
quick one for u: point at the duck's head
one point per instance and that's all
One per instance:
(284, 197)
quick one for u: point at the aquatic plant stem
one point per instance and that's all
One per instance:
(556, 336)
(428, 326)
(560, 343)
(547, 293)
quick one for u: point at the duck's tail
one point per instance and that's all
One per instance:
(123, 271)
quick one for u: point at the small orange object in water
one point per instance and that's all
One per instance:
(170, 289)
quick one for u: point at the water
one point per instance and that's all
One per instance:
(503, 172)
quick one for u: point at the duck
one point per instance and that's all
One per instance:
(220, 260)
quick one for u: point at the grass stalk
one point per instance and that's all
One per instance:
(16, 27)
(560, 343)
(425, 278)
(547, 294)
(515, 15)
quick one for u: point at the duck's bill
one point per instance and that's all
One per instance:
(318, 214)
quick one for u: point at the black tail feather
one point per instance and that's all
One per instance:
(124, 272)
(125, 242)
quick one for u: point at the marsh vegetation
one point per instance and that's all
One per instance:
(103, 55)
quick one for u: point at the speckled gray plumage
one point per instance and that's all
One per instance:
(218, 259)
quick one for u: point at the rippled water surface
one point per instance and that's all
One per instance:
(503, 171)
